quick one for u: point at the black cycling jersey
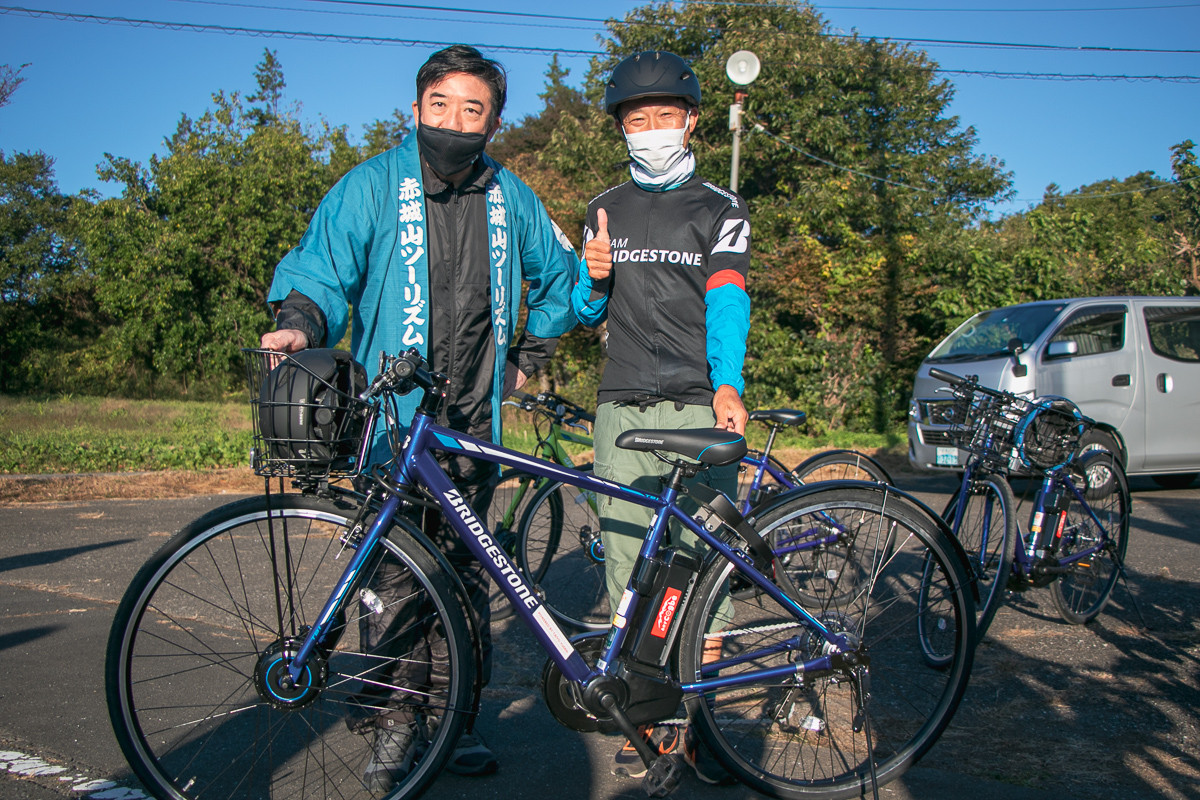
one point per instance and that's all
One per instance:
(670, 250)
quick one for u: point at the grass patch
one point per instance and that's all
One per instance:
(97, 434)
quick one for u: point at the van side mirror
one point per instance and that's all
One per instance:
(1016, 347)
(1062, 348)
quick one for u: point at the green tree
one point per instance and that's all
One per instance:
(45, 305)
(184, 257)
(384, 134)
(851, 163)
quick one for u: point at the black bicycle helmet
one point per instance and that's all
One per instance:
(1048, 436)
(654, 73)
(308, 411)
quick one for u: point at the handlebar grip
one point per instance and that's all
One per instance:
(946, 377)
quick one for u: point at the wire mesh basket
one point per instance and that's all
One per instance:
(308, 420)
(985, 425)
(1008, 433)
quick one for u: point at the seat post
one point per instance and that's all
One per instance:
(774, 426)
(679, 471)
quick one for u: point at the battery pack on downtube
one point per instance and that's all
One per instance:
(666, 581)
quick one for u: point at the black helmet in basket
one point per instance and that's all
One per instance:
(654, 73)
(308, 410)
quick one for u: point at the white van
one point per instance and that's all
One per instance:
(1130, 363)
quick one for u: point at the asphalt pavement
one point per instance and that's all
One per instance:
(64, 566)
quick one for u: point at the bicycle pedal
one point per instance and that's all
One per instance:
(663, 775)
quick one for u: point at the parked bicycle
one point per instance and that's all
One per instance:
(557, 422)
(559, 544)
(1079, 522)
(235, 666)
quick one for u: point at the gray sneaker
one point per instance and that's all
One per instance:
(472, 757)
(391, 758)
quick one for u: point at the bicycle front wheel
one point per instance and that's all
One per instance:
(201, 640)
(987, 530)
(1081, 592)
(831, 733)
(561, 552)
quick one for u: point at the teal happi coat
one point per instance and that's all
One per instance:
(364, 253)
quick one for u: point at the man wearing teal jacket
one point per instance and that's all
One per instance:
(427, 245)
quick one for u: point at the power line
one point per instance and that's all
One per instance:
(956, 10)
(262, 7)
(565, 18)
(231, 30)
(760, 128)
(270, 33)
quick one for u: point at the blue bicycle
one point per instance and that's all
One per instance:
(270, 647)
(1079, 520)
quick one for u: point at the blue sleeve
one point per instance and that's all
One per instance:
(329, 264)
(727, 317)
(589, 304)
(589, 300)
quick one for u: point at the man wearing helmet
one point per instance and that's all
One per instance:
(665, 261)
(428, 245)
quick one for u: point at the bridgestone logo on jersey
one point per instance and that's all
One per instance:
(511, 576)
(658, 256)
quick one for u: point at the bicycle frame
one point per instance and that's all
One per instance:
(1026, 548)
(1028, 555)
(761, 463)
(417, 465)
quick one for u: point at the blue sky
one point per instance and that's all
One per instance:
(94, 88)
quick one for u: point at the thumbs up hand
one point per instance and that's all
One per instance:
(598, 251)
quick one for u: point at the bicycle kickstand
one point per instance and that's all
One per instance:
(1129, 590)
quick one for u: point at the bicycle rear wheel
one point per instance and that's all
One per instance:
(203, 634)
(831, 734)
(560, 550)
(1081, 593)
(988, 532)
(840, 465)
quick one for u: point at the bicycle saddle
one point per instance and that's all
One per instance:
(780, 416)
(710, 446)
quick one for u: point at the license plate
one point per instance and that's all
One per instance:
(947, 456)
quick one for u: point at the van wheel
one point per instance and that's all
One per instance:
(1179, 481)
(1100, 478)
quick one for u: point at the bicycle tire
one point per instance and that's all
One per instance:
(990, 541)
(561, 552)
(1081, 593)
(804, 735)
(198, 629)
(514, 490)
(840, 465)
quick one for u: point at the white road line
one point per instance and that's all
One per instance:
(28, 766)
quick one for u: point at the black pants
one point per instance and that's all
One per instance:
(394, 692)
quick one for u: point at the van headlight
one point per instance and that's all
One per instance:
(914, 410)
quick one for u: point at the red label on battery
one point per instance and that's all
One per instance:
(666, 612)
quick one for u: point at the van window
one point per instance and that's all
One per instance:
(987, 334)
(1095, 329)
(1174, 331)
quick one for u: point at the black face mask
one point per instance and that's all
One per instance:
(449, 152)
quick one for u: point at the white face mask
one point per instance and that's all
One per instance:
(657, 151)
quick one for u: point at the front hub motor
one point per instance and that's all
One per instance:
(274, 683)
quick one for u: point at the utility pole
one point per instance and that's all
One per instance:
(742, 68)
